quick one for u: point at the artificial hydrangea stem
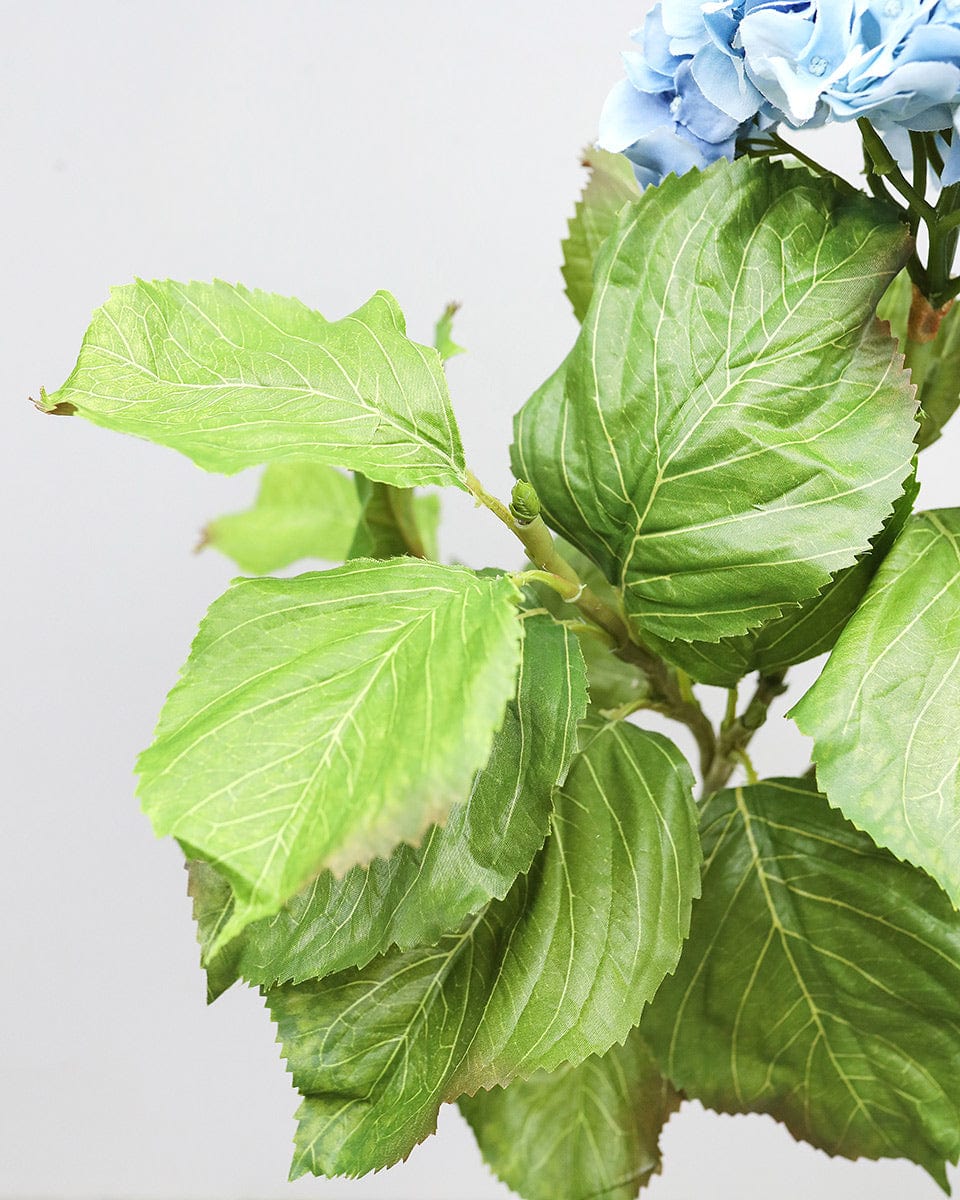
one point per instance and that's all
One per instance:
(736, 735)
(884, 164)
(934, 280)
(918, 148)
(564, 588)
(770, 144)
(539, 545)
(666, 692)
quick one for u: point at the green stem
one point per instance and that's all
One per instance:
(736, 735)
(665, 689)
(772, 145)
(934, 157)
(563, 587)
(885, 164)
(944, 233)
(743, 758)
(918, 147)
(730, 715)
(539, 545)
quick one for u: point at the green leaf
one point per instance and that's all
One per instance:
(610, 186)
(579, 1133)
(801, 633)
(821, 983)
(731, 426)
(416, 895)
(234, 378)
(393, 521)
(302, 510)
(558, 970)
(894, 306)
(883, 715)
(935, 366)
(321, 720)
(212, 909)
(443, 334)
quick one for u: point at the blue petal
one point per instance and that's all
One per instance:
(684, 19)
(666, 151)
(692, 109)
(774, 45)
(628, 115)
(656, 45)
(722, 80)
(643, 77)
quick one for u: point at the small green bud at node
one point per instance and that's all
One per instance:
(524, 502)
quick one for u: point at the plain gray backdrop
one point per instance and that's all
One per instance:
(321, 150)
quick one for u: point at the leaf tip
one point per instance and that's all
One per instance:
(52, 408)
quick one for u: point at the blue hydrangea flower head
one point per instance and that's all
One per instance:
(708, 69)
(664, 116)
(894, 61)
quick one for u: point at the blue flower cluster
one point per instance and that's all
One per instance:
(707, 71)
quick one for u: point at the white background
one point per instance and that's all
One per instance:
(321, 150)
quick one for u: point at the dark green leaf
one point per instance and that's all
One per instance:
(820, 984)
(234, 378)
(589, 1132)
(558, 970)
(801, 633)
(610, 186)
(884, 713)
(731, 427)
(321, 720)
(416, 895)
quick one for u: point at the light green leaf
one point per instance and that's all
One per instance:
(820, 984)
(581, 1133)
(302, 510)
(801, 633)
(418, 894)
(321, 720)
(443, 334)
(234, 378)
(883, 715)
(935, 366)
(394, 521)
(610, 186)
(731, 427)
(558, 970)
